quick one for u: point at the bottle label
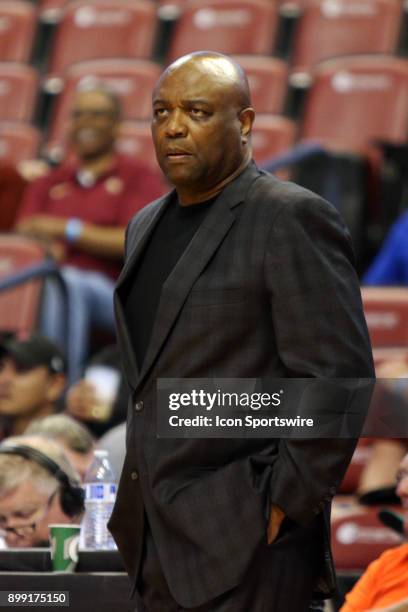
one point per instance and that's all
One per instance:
(100, 491)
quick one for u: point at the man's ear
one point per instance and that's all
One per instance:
(246, 117)
(56, 387)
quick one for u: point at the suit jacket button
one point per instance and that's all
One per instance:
(134, 475)
(139, 406)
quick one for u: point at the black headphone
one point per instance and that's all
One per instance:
(72, 495)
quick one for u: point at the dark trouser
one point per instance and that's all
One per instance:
(280, 579)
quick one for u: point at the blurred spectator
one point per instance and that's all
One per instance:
(32, 169)
(12, 186)
(79, 211)
(82, 400)
(35, 492)
(76, 441)
(390, 267)
(402, 487)
(380, 470)
(114, 441)
(32, 380)
(384, 585)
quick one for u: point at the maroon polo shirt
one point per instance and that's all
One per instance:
(115, 197)
(12, 187)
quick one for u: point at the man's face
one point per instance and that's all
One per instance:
(196, 128)
(28, 509)
(80, 462)
(94, 124)
(22, 391)
(402, 482)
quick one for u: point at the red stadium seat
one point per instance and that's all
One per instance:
(271, 136)
(132, 80)
(226, 26)
(96, 29)
(267, 77)
(386, 311)
(360, 538)
(170, 9)
(18, 141)
(355, 101)
(135, 140)
(51, 11)
(358, 461)
(292, 7)
(17, 29)
(18, 91)
(12, 186)
(19, 306)
(394, 354)
(45, 5)
(328, 29)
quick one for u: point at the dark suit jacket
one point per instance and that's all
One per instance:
(266, 288)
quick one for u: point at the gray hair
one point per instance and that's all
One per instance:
(63, 427)
(14, 469)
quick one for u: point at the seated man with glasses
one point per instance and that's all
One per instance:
(384, 585)
(38, 487)
(79, 211)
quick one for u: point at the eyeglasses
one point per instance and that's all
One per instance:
(23, 531)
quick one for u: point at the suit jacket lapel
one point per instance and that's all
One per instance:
(206, 241)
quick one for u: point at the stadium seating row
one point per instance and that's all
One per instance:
(366, 90)
(386, 308)
(371, 92)
(90, 29)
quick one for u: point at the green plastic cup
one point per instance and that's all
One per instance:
(64, 541)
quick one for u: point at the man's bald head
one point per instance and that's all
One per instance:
(216, 67)
(202, 121)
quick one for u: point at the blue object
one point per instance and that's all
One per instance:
(390, 267)
(73, 230)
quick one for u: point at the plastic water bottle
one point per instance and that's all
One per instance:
(100, 494)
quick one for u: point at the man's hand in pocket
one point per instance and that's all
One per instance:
(275, 520)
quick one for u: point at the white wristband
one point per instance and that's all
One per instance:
(73, 230)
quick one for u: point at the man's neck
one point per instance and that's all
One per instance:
(98, 165)
(20, 423)
(186, 198)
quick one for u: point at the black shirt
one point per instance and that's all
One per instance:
(169, 240)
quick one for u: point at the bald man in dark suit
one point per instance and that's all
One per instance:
(234, 274)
